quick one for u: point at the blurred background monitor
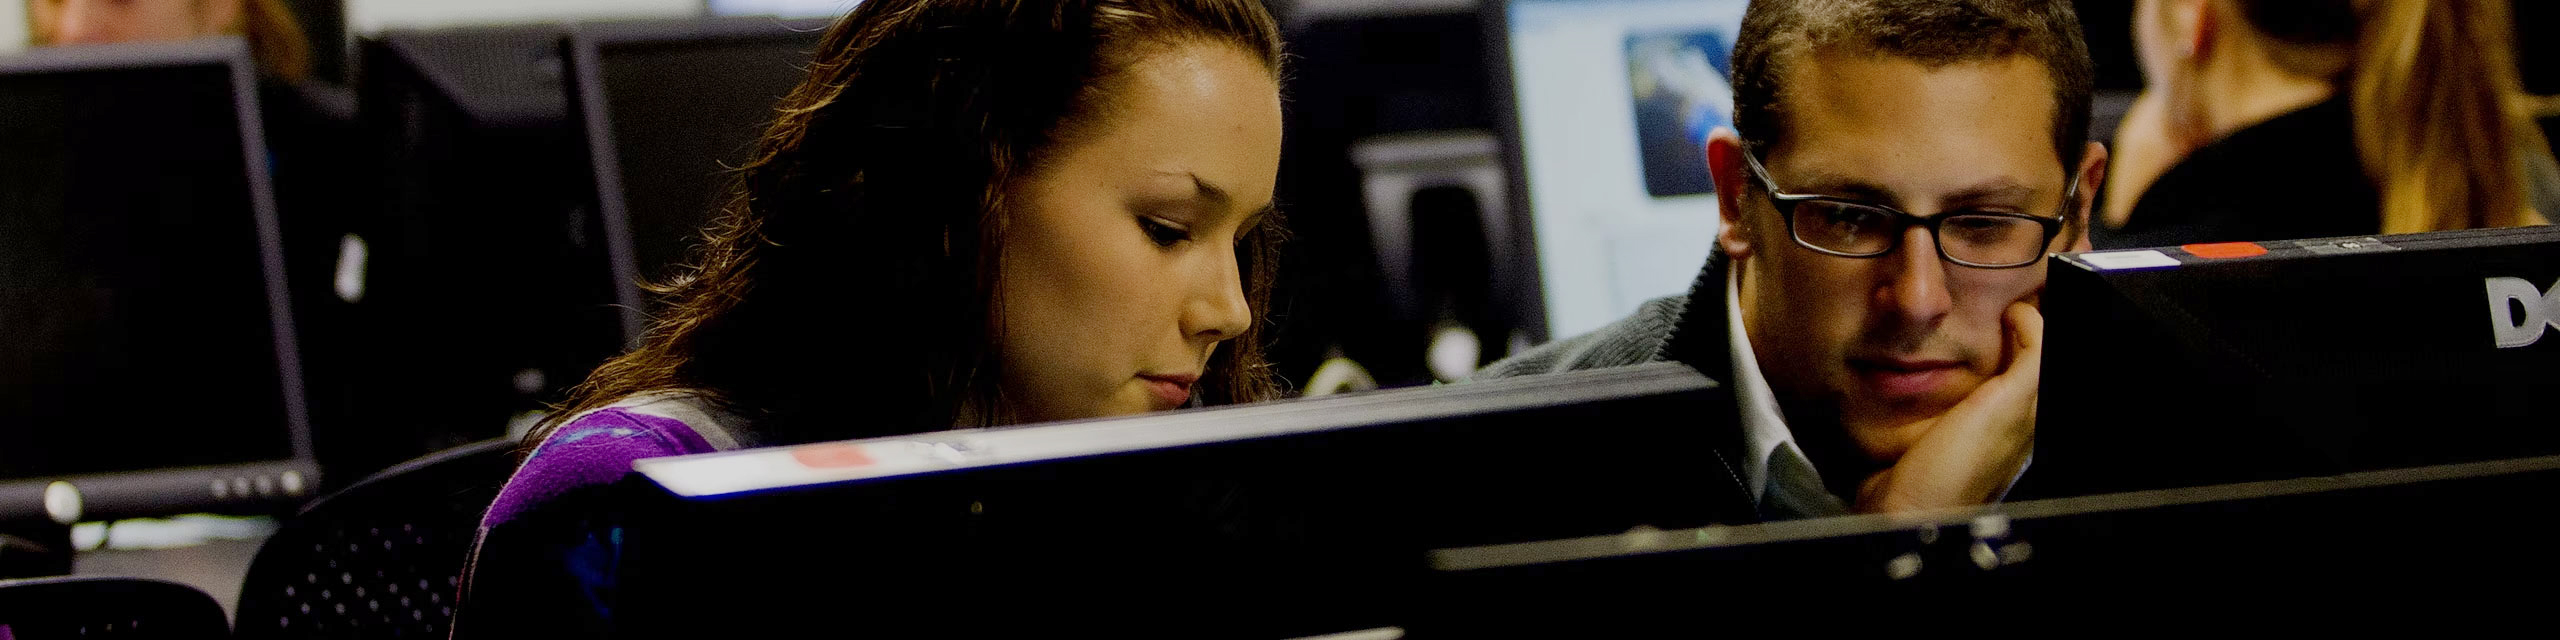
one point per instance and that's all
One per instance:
(1610, 105)
(490, 293)
(1393, 190)
(668, 108)
(146, 349)
(781, 8)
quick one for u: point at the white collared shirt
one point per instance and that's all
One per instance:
(1779, 476)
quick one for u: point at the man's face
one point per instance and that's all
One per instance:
(1892, 340)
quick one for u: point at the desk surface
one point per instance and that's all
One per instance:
(216, 567)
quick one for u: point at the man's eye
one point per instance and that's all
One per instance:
(1849, 220)
(1978, 223)
(1164, 235)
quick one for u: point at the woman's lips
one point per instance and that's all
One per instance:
(1169, 390)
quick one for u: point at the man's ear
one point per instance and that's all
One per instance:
(2092, 173)
(220, 17)
(1724, 165)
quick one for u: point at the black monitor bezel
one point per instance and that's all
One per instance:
(1522, 269)
(233, 54)
(584, 51)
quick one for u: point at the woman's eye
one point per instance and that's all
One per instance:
(1163, 234)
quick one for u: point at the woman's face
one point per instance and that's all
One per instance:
(1120, 272)
(111, 21)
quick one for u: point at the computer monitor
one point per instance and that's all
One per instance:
(780, 8)
(1282, 519)
(669, 108)
(1610, 103)
(2310, 550)
(149, 360)
(488, 289)
(2203, 364)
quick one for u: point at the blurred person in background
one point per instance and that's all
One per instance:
(2287, 119)
(273, 33)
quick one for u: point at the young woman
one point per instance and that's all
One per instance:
(2274, 120)
(972, 213)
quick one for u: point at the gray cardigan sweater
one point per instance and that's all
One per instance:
(1688, 329)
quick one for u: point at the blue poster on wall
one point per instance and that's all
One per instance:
(1679, 92)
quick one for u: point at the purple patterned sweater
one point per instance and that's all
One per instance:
(550, 546)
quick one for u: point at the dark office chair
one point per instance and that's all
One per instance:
(45, 608)
(379, 559)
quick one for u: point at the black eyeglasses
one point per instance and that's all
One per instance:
(1852, 229)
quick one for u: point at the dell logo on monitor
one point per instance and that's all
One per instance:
(2540, 309)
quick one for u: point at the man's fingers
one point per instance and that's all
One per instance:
(2026, 341)
(1969, 454)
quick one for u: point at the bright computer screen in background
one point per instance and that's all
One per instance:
(1613, 101)
(782, 8)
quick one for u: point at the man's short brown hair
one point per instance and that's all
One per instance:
(1931, 32)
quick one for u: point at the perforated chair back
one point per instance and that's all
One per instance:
(47, 608)
(379, 559)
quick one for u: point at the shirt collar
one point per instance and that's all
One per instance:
(1766, 440)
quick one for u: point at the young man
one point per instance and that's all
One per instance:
(1902, 169)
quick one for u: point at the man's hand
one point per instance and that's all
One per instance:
(1969, 455)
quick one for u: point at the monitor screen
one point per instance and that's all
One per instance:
(680, 109)
(2376, 536)
(1613, 100)
(1278, 519)
(782, 8)
(140, 289)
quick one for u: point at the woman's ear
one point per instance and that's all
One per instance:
(2192, 23)
(1725, 166)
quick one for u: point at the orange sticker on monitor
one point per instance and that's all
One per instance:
(831, 456)
(2225, 250)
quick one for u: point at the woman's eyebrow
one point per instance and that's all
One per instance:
(1218, 198)
(1204, 190)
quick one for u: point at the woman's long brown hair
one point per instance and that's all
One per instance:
(848, 288)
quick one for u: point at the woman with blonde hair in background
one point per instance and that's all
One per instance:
(2274, 120)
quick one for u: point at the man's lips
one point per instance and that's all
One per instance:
(1905, 378)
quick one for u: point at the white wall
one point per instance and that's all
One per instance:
(13, 25)
(369, 16)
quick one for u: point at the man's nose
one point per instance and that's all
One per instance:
(1916, 290)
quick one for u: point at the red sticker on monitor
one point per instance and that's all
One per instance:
(831, 456)
(2225, 250)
